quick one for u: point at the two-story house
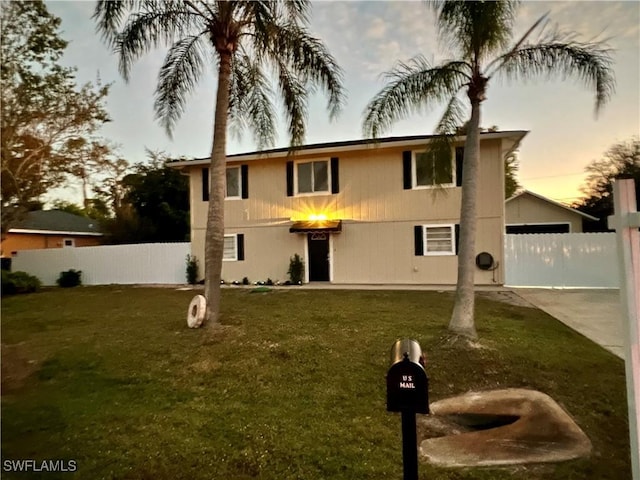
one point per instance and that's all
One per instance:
(357, 212)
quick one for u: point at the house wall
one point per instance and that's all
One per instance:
(33, 241)
(529, 209)
(376, 244)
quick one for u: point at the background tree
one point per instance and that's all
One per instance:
(85, 160)
(42, 107)
(159, 198)
(480, 34)
(511, 167)
(621, 160)
(252, 42)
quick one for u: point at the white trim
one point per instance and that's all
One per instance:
(235, 248)
(235, 197)
(537, 223)
(54, 232)
(442, 253)
(313, 193)
(514, 135)
(414, 175)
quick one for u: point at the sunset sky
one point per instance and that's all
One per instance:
(367, 39)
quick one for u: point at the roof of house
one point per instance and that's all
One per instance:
(514, 135)
(552, 202)
(56, 222)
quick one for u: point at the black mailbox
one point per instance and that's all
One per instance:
(407, 382)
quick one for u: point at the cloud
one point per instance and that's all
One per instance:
(377, 29)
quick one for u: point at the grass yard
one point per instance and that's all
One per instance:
(293, 387)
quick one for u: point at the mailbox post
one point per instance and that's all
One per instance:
(408, 393)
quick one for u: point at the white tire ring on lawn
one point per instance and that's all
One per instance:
(196, 312)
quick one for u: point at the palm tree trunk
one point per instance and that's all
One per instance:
(462, 319)
(214, 241)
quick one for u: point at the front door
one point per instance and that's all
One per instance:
(318, 244)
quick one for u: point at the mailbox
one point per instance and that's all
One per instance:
(407, 382)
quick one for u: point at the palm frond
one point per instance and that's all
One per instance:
(294, 100)
(298, 10)
(251, 101)
(519, 43)
(158, 24)
(475, 28)
(410, 88)
(562, 56)
(308, 59)
(179, 74)
(108, 15)
(441, 146)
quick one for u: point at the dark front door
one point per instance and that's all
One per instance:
(318, 256)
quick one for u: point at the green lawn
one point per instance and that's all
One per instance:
(293, 386)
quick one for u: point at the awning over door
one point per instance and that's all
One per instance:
(313, 226)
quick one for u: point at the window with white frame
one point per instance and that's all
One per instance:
(312, 177)
(230, 248)
(430, 171)
(233, 182)
(439, 239)
(68, 242)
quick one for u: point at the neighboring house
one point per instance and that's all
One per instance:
(364, 211)
(51, 229)
(528, 212)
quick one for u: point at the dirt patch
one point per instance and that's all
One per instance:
(17, 367)
(508, 297)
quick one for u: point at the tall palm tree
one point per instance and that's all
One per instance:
(251, 43)
(480, 33)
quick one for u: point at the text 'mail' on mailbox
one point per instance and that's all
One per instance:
(407, 382)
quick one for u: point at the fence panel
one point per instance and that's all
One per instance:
(148, 263)
(573, 260)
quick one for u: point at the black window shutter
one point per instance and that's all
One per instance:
(240, 246)
(289, 179)
(406, 169)
(244, 180)
(456, 233)
(335, 176)
(459, 158)
(205, 184)
(418, 239)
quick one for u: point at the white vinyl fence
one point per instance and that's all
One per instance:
(562, 260)
(146, 263)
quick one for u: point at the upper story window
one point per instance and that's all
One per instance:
(429, 171)
(317, 177)
(233, 182)
(312, 177)
(237, 183)
(424, 170)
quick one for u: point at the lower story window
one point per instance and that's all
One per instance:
(233, 247)
(439, 239)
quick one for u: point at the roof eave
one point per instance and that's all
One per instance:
(352, 145)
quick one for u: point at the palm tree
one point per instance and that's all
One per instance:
(481, 33)
(252, 43)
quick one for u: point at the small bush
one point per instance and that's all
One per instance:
(245, 281)
(70, 278)
(14, 283)
(192, 269)
(296, 270)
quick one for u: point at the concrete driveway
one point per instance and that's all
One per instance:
(596, 314)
